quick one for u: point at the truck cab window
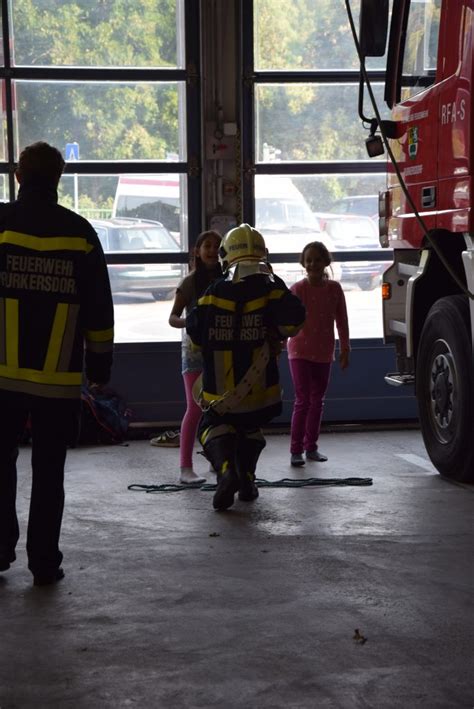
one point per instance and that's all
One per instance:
(421, 46)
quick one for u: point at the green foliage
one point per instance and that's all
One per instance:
(303, 35)
(110, 121)
(136, 33)
(310, 122)
(125, 121)
(87, 206)
(322, 191)
(307, 121)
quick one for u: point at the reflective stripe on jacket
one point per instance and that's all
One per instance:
(55, 299)
(230, 324)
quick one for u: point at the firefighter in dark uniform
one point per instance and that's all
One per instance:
(238, 324)
(56, 318)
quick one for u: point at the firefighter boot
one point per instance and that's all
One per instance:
(248, 490)
(227, 486)
(250, 445)
(220, 444)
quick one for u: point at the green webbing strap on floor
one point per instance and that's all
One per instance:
(285, 482)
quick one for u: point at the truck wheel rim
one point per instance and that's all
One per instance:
(442, 378)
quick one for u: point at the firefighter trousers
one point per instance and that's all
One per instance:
(54, 425)
(231, 448)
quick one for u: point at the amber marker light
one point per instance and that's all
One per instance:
(386, 291)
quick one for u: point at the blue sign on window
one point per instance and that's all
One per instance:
(72, 151)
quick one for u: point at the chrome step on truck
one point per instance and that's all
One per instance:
(398, 380)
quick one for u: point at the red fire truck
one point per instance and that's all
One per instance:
(425, 213)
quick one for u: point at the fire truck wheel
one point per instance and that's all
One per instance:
(444, 386)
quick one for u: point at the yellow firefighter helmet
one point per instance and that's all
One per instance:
(243, 243)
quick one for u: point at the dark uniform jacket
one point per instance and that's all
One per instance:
(55, 299)
(230, 324)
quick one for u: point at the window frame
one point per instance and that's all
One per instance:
(250, 79)
(189, 76)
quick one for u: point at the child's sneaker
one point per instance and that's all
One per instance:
(187, 475)
(316, 455)
(167, 439)
(297, 460)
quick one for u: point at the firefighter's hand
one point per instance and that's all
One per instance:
(344, 357)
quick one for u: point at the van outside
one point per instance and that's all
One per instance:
(281, 207)
(158, 197)
(287, 224)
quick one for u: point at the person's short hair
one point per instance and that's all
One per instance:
(41, 160)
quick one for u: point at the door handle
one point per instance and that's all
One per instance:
(428, 197)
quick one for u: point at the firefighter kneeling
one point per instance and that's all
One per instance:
(239, 324)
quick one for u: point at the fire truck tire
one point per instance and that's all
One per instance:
(444, 387)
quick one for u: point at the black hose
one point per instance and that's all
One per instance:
(285, 482)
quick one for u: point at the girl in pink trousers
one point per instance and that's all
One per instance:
(311, 351)
(205, 269)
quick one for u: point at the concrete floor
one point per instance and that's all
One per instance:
(169, 604)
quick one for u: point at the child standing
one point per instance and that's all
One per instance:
(311, 351)
(205, 269)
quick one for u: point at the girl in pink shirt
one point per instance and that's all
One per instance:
(311, 351)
